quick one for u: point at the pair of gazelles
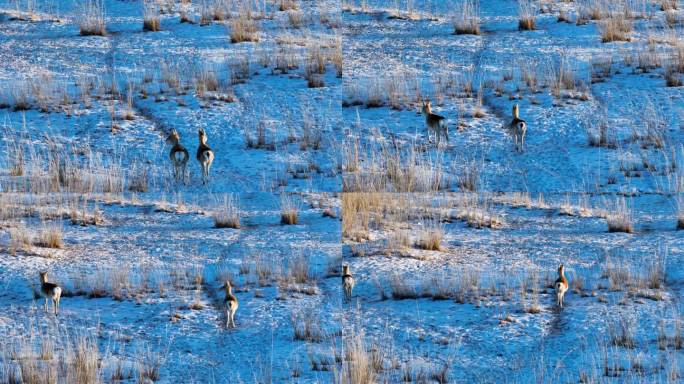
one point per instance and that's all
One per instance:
(438, 125)
(179, 155)
(51, 291)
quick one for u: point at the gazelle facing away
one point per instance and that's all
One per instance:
(231, 305)
(561, 286)
(205, 155)
(435, 123)
(518, 127)
(179, 156)
(50, 291)
(347, 283)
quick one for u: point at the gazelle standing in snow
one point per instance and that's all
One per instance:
(179, 156)
(205, 155)
(435, 123)
(561, 286)
(347, 283)
(231, 305)
(518, 127)
(50, 291)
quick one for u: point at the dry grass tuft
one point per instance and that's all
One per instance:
(620, 218)
(467, 19)
(526, 15)
(599, 132)
(296, 18)
(298, 269)
(149, 363)
(86, 361)
(469, 180)
(307, 326)
(139, 179)
(289, 209)
(50, 236)
(430, 237)
(358, 367)
(622, 332)
(401, 289)
(615, 28)
(151, 20)
(287, 5)
(229, 215)
(20, 239)
(669, 5)
(672, 78)
(92, 21)
(244, 29)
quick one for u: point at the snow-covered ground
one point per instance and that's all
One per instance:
(454, 247)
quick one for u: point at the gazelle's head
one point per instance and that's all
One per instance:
(516, 111)
(345, 269)
(202, 135)
(173, 138)
(427, 107)
(43, 277)
(561, 270)
(227, 286)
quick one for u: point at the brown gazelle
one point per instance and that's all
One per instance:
(347, 283)
(205, 155)
(231, 305)
(518, 127)
(50, 291)
(561, 286)
(179, 156)
(435, 123)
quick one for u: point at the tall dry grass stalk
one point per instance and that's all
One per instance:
(151, 19)
(527, 11)
(243, 29)
(50, 236)
(680, 213)
(92, 19)
(228, 215)
(669, 5)
(430, 237)
(357, 366)
(467, 18)
(620, 217)
(615, 28)
(289, 209)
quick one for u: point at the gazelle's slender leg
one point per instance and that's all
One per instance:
(522, 141)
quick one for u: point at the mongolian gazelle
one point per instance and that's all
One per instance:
(205, 155)
(435, 123)
(561, 286)
(231, 305)
(50, 291)
(347, 283)
(518, 127)
(179, 156)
